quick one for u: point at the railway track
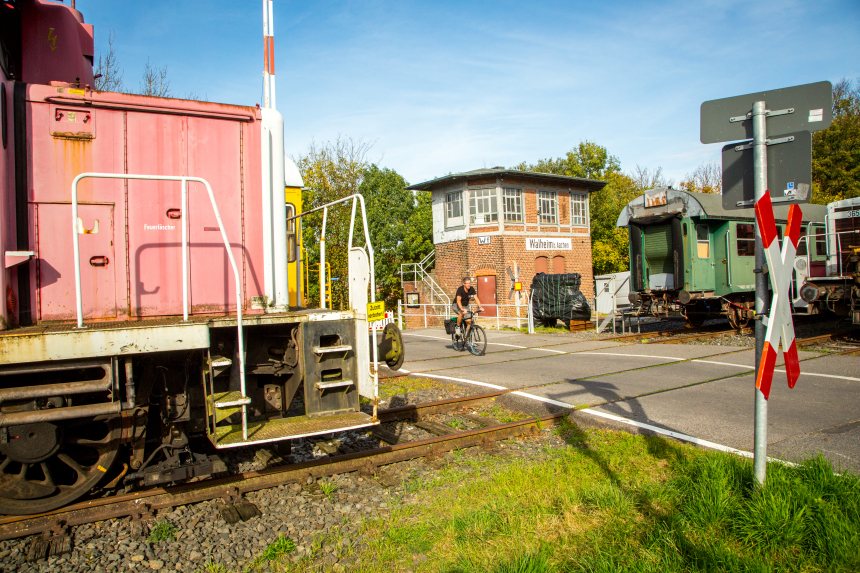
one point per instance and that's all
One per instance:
(142, 505)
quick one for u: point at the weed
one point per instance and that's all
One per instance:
(162, 530)
(457, 424)
(278, 548)
(328, 488)
(213, 567)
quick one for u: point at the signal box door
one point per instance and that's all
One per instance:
(55, 279)
(487, 294)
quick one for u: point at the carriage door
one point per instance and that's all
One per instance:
(487, 294)
(741, 257)
(56, 262)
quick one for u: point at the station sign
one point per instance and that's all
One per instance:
(549, 244)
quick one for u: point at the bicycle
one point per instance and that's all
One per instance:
(474, 339)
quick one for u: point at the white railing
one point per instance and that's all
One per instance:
(184, 180)
(419, 273)
(428, 311)
(356, 200)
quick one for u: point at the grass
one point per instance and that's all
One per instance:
(456, 423)
(403, 385)
(611, 501)
(162, 530)
(328, 488)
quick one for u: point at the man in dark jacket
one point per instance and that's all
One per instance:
(461, 300)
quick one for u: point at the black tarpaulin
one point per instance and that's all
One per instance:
(557, 296)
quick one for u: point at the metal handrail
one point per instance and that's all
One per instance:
(357, 199)
(184, 180)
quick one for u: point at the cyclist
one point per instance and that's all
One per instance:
(461, 301)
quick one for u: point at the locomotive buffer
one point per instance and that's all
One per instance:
(786, 115)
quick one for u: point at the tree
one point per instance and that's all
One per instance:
(331, 171)
(154, 82)
(706, 178)
(587, 160)
(108, 73)
(400, 223)
(836, 150)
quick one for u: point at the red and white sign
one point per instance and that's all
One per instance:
(780, 264)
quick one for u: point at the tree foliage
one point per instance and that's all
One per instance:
(836, 150)
(400, 223)
(706, 178)
(587, 160)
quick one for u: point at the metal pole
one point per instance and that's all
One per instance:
(322, 259)
(762, 296)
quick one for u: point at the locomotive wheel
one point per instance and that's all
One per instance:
(44, 466)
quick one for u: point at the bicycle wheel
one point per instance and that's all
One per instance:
(457, 341)
(477, 343)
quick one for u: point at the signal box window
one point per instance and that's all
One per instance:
(703, 243)
(513, 199)
(482, 206)
(454, 209)
(548, 207)
(746, 240)
(578, 209)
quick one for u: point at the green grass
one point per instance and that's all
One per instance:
(456, 423)
(612, 501)
(327, 487)
(277, 549)
(403, 385)
(162, 530)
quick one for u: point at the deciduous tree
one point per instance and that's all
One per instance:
(836, 150)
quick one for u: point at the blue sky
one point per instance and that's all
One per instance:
(444, 86)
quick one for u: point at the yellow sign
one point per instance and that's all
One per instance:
(518, 286)
(375, 311)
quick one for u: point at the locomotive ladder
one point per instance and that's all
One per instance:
(242, 400)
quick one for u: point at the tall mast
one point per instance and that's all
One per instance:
(269, 55)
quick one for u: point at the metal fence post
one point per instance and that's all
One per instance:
(424, 307)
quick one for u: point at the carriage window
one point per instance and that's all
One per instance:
(703, 243)
(801, 243)
(746, 240)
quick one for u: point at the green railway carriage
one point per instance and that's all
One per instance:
(689, 256)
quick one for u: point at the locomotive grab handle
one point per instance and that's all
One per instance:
(99, 261)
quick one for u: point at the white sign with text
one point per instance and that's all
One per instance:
(549, 244)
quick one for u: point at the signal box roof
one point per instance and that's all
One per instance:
(664, 203)
(548, 178)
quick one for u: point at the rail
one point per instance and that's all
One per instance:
(184, 180)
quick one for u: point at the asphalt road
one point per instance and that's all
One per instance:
(700, 393)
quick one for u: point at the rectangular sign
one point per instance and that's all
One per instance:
(549, 244)
(375, 311)
(810, 105)
(484, 240)
(789, 172)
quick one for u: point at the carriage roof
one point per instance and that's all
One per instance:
(701, 206)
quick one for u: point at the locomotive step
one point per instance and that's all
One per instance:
(227, 403)
(334, 384)
(219, 364)
(289, 428)
(332, 349)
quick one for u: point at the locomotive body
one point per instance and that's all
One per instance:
(691, 257)
(833, 285)
(149, 316)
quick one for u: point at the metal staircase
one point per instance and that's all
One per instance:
(419, 274)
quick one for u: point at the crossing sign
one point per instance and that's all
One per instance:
(780, 264)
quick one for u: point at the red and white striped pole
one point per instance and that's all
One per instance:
(269, 55)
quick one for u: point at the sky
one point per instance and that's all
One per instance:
(441, 86)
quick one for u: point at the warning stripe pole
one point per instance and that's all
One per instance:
(268, 55)
(762, 297)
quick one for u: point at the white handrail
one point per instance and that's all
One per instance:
(184, 208)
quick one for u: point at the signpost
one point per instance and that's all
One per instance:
(781, 112)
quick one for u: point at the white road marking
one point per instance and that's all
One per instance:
(632, 355)
(723, 364)
(650, 427)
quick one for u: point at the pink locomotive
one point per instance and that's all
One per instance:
(149, 318)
